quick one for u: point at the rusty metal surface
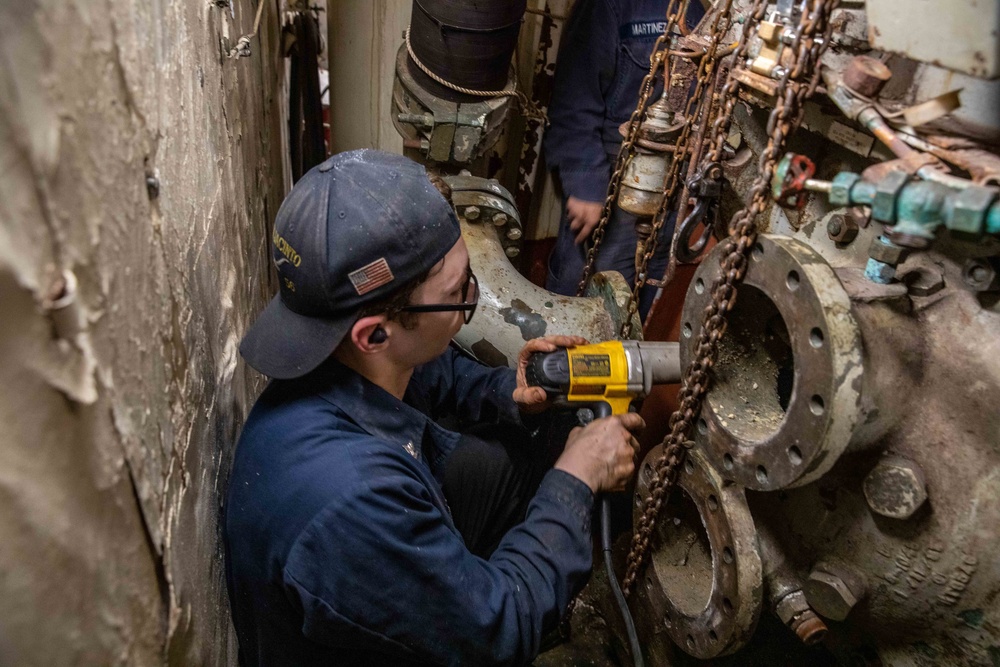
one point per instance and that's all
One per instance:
(890, 533)
(786, 398)
(704, 585)
(809, 39)
(959, 35)
(897, 538)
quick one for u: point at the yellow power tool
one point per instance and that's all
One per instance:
(597, 381)
(605, 378)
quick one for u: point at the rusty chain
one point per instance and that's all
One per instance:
(697, 104)
(799, 80)
(657, 59)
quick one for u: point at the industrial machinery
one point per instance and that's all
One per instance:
(844, 473)
(835, 458)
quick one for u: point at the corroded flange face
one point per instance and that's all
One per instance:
(786, 386)
(703, 584)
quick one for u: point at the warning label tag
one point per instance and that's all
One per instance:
(591, 365)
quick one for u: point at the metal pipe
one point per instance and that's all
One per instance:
(895, 141)
(865, 113)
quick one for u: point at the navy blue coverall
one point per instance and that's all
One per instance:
(341, 546)
(603, 58)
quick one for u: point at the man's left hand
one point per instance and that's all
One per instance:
(532, 400)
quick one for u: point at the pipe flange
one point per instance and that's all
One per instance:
(786, 385)
(703, 584)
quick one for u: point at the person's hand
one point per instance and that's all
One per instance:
(532, 400)
(602, 454)
(583, 217)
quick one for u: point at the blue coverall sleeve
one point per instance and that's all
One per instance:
(584, 75)
(382, 559)
(453, 383)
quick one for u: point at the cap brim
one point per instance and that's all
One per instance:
(283, 344)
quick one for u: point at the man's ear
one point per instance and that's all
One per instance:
(361, 334)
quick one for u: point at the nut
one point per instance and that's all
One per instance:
(886, 252)
(886, 192)
(841, 228)
(512, 251)
(794, 611)
(514, 233)
(895, 487)
(790, 606)
(840, 188)
(500, 219)
(809, 628)
(829, 595)
(880, 272)
(471, 213)
(971, 206)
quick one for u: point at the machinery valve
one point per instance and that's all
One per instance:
(791, 178)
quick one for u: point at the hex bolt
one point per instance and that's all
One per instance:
(830, 594)
(886, 251)
(512, 251)
(895, 488)
(842, 229)
(471, 213)
(500, 219)
(980, 274)
(513, 233)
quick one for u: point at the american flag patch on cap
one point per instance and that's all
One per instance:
(371, 276)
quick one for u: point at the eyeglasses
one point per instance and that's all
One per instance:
(470, 299)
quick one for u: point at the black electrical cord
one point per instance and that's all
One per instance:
(633, 638)
(604, 410)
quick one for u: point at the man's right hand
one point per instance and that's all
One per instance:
(583, 217)
(602, 454)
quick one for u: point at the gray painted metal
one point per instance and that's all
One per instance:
(512, 310)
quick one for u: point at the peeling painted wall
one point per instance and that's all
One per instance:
(119, 411)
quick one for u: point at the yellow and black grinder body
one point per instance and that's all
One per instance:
(600, 380)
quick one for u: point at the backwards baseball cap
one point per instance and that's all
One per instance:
(351, 232)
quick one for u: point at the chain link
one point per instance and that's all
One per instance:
(697, 104)
(799, 81)
(657, 59)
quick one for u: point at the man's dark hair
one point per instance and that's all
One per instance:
(393, 304)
